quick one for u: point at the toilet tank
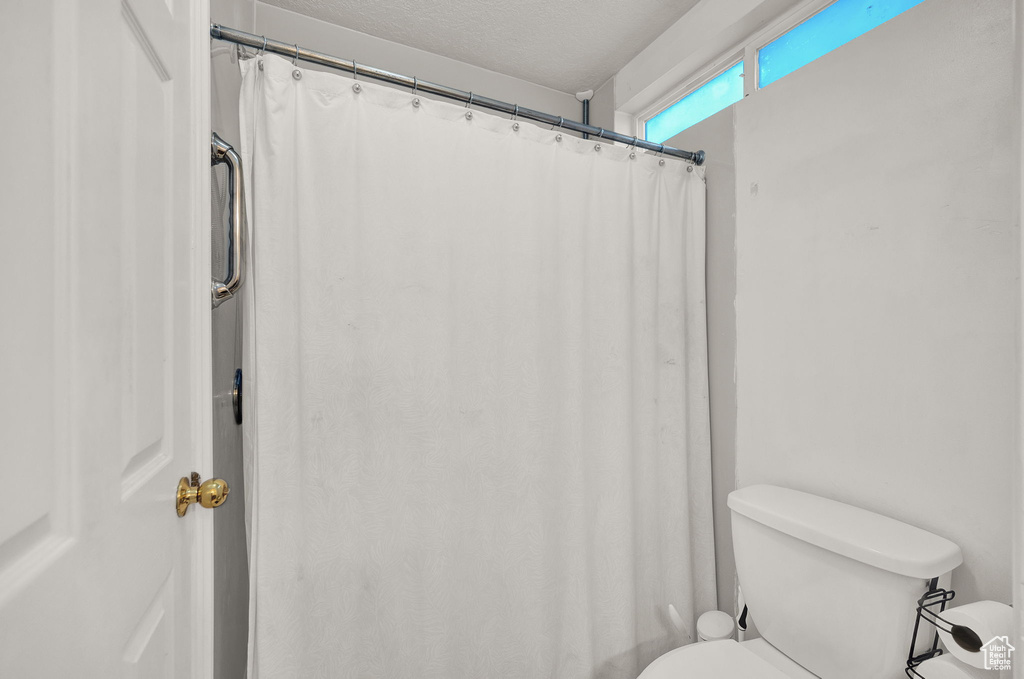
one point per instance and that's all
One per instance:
(833, 587)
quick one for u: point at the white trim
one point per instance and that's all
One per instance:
(1018, 457)
(788, 21)
(749, 57)
(201, 356)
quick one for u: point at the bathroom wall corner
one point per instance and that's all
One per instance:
(715, 136)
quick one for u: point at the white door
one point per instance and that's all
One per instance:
(104, 315)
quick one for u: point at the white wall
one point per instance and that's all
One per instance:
(342, 42)
(602, 107)
(877, 297)
(224, 77)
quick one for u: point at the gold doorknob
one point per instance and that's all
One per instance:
(212, 493)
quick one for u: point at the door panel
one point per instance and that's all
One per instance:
(145, 247)
(35, 530)
(150, 649)
(104, 324)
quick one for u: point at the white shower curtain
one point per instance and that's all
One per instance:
(478, 376)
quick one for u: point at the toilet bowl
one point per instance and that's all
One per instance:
(832, 588)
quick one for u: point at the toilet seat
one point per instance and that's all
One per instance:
(777, 659)
(719, 659)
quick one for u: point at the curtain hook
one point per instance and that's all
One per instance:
(632, 151)
(296, 58)
(515, 112)
(561, 120)
(470, 102)
(415, 84)
(600, 133)
(355, 70)
(264, 48)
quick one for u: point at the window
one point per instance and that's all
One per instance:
(836, 25)
(818, 34)
(723, 90)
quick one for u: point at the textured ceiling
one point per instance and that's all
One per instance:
(570, 45)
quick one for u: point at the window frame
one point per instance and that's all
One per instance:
(691, 85)
(746, 50)
(773, 32)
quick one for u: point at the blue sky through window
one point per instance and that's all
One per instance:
(706, 100)
(836, 25)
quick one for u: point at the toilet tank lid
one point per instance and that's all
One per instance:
(855, 533)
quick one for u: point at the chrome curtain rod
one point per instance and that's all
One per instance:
(264, 44)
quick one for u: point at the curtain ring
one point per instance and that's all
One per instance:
(470, 102)
(264, 48)
(558, 137)
(515, 112)
(632, 152)
(600, 133)
(415, 84)
(296, 58)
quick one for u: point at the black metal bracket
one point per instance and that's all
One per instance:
(236, 396)
(935, 596)
(742, 622)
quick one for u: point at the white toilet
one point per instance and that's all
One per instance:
(833, 590)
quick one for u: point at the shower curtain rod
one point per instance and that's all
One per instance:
(262, 43)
